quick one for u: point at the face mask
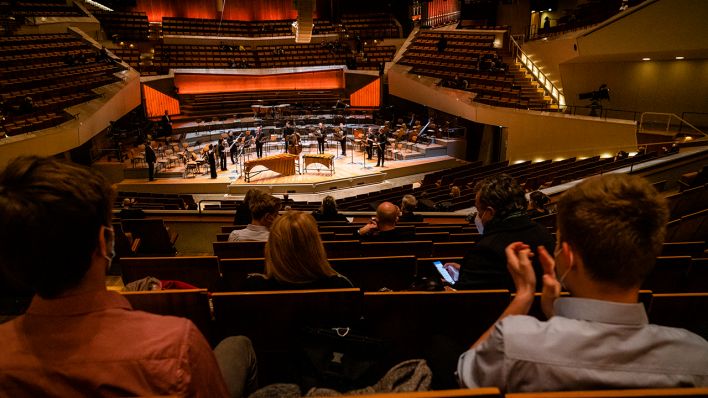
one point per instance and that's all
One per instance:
(479, 224)
(562, 277)
(112, 248)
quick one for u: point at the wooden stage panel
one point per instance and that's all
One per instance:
(205, 83)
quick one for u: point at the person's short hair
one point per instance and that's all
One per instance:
(503, 194)
(387, 214)
(455, 191)
(250, 194)
(51, 212)
(617, 224)
(294, 252)
(408, 203)
(329, 205)
(539, 200)
(262, 205)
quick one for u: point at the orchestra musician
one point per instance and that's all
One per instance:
(261, 138)
(229, 143)
(247, 140)
(211, 158)
(287, 131)
(321, 136)
(235, 146)
(221, 146)
(343, 139)
(166, 124)
(381, 141)
(294, 146)
(370, 138)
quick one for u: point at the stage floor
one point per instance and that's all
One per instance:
(347, 174)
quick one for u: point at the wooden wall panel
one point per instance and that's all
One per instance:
(367, 96)
(205, 83)
(156, 103)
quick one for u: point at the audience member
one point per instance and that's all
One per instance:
(295, 258)
(408, 204)
(243, 212)
(610, 230)
(538, 201)
(264, 210)
(328, 211)
(501, 219)
(130, 212)
(382, 228)
(454, 192)
(77, 338)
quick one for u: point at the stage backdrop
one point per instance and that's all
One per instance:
(242, 10)
(196, 83)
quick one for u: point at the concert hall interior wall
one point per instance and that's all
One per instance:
(192, 83)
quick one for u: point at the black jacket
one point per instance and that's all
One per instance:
(484, 266)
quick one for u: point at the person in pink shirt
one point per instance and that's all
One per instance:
(76, 338)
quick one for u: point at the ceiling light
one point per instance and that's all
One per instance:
(550, 9)
(646, 59)
(679, 57)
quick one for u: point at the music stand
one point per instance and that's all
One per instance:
(350, 139)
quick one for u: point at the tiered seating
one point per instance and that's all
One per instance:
(192, 56)
(124, 25)
(300, 55)
(157, 201)
(240, 103)
(55, 71)
(214, 27)
(371, 26)
(374, 55)
(436, 186)
(46, 8)
(130, 56)
(470, 60)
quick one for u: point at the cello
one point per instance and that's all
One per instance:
(294, 147)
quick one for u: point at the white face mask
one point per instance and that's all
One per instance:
(479, 224)
(112, 248)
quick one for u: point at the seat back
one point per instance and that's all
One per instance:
(274, 322)
(374, 273)
(241, 249)
(403, 248)
(451, 249)
(681, 310)
(409, 320)
(234, 271)
(190, 304)
(342, 248)
(153, 234)
(200, 271)
(669, 275)
(648, 392)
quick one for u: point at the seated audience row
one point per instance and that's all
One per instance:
(611, 228)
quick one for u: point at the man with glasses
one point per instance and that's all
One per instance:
(501, 219)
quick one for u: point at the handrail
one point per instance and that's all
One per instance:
(555, 93)
(669, 117)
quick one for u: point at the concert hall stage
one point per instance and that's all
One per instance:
(347, 175)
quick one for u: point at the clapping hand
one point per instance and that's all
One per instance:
(518, 261)
(551, 285)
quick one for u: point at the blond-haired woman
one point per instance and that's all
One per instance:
(295, 258)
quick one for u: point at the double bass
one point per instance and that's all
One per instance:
(294, 145)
